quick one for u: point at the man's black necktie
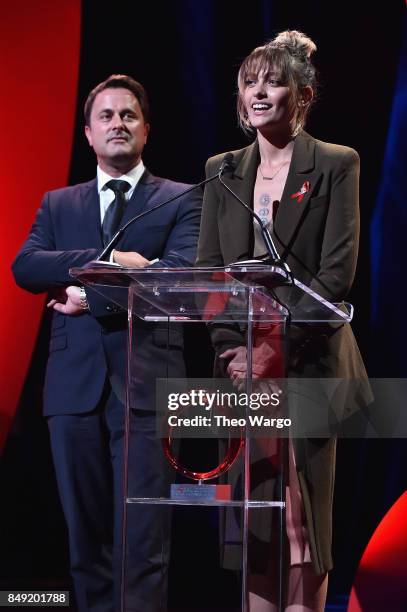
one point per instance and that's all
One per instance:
(115, 210)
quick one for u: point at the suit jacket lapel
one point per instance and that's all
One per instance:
(302, 174)
(141, 197)
(90, 204)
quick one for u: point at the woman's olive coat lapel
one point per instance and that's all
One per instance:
(302, 169)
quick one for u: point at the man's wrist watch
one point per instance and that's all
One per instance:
(82, 299)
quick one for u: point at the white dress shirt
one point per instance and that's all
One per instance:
(106, 195)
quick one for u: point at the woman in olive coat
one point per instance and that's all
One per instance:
(307, 192)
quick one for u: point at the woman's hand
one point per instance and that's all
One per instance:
(237, 366)
(263, 359)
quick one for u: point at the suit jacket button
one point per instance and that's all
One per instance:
(109, 308)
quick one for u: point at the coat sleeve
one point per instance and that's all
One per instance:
(209, 250)
(39, 266)
(340, 242)
(223, 335)
(339, 250)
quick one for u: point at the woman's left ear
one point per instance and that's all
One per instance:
(306, 95)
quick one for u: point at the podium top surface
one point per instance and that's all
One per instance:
(259, 292)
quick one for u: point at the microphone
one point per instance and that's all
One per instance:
(225, 165)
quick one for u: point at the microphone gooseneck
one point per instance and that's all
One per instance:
(227, 163)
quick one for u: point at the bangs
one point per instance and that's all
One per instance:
(267, 59)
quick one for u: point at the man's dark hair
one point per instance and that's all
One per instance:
(114, 82)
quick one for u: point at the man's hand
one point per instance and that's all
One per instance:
(68, 301)
(130, 259)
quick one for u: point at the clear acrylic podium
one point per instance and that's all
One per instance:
(255, 302)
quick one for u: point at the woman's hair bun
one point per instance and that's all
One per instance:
(296, 43)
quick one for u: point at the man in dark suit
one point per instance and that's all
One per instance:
(85, 378)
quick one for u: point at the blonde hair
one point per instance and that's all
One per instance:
(289, 56)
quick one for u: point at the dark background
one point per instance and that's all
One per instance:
(187, 54)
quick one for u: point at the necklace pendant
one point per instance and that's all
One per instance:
(270, 178)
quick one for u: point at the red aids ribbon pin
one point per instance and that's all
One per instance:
(301, 193)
